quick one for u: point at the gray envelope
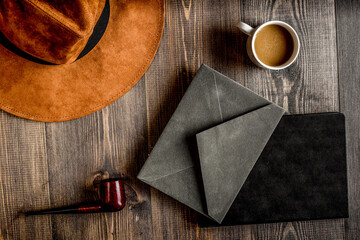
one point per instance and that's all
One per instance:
(222, 128)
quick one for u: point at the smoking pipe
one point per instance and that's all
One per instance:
(112, 199)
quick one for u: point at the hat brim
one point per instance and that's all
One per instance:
(51, 93)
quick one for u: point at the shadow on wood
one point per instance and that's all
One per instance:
(228, 46)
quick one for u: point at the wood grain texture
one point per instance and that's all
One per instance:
(55, 164)
(23, 178)
(348, 39)
(112, 142)
(310, 84)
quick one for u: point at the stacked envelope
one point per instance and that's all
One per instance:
(211, 144)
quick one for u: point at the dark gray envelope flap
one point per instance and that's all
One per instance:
(182, 187)
(198, 109)
(210, 99)
(229, 151)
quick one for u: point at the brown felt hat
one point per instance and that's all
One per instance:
(61, 60)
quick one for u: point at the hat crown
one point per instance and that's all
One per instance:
(55, 31)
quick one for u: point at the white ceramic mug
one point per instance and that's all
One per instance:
(250, 44)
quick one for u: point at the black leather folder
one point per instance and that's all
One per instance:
(300, 175)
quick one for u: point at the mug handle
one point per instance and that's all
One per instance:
(245, 28)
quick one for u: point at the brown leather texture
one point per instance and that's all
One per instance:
(63, 92)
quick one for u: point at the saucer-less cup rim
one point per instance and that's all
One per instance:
(253, 33)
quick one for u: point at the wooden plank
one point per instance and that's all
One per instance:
(348, 35)
(23, 178)
(171, 71)
(111, 142)
(222, 43)
(310, 85)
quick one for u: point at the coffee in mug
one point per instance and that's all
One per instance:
(273, 45)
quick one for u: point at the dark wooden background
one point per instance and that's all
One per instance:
(46, 165)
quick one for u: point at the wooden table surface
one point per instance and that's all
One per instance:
(46, 165)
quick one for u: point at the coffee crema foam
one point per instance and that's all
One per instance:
(274, 45)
